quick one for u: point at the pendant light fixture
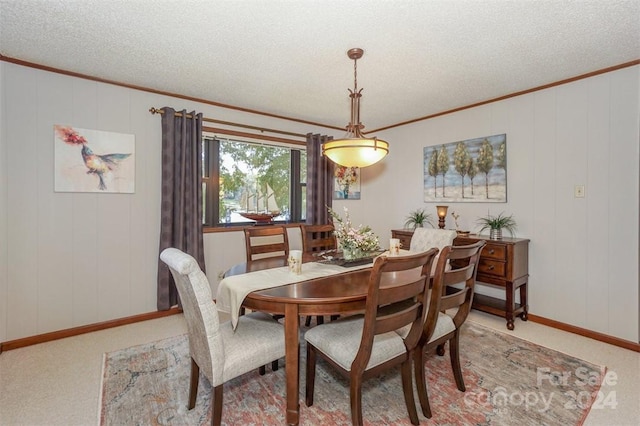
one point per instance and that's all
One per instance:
(355, 150)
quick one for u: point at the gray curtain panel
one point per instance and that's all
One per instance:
(319, 180)
(181, 209)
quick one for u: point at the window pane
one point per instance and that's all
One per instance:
(253, 178)
(303, 167)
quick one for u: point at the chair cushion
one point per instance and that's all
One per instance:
(340, 341)
(257, 340)
(444, 326)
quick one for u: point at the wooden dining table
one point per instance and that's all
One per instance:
(338, 294)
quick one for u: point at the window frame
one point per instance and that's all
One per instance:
(211, 181)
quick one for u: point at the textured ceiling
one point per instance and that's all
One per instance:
(289, 57)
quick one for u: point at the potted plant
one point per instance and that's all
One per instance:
(496, 224)
(417, 219)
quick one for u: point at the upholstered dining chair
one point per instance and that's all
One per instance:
(362, 346)
(266, 241)
(215, 348)
(440, 327)
(425, 238)
(316, 239)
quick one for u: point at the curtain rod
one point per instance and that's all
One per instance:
(154, 110)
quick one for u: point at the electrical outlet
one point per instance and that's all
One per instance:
(578, 191)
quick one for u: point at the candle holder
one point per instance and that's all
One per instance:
(442, 214)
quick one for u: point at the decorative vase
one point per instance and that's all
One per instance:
(345, 191)
(350, 253)
(495, 233)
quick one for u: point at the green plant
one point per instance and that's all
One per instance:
(498, 222)
(418, 218)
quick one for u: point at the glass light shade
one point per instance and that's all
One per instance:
(355, 152)
(442, 211)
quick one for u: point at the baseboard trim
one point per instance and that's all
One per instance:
(75, 331)
(615, 341)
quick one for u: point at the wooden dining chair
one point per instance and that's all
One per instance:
(217, 350)
(363, 346)
(316, 239)
(263, 242)
(266, 241)
(440, 327)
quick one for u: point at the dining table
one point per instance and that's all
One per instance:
(321, 289)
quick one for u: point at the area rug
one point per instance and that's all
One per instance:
(509, 382)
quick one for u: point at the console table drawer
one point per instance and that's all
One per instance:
(492, 267)
(495, 251)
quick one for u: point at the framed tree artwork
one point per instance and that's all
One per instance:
(472, 170)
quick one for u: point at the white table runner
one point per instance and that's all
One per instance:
(232, 290)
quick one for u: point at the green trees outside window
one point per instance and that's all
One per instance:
(241, 176)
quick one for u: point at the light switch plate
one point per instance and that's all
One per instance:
(578, 191)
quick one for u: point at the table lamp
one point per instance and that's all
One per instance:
(442, 214)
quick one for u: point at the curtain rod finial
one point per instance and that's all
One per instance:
(154, 110)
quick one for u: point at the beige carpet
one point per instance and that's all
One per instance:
(509, 381)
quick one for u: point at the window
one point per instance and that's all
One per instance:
(241, 177)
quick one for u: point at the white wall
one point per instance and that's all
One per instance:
(71, 259)
(74, 259)
(583, 258)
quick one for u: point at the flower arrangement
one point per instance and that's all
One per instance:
(361, 240)
(345, 175)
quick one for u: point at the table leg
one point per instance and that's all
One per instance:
(292, 362)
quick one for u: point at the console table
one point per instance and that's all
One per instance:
(503, 263)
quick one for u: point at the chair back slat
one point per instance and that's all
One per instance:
(396, 320)
(456, 276)
(391, 294)
(454, 300)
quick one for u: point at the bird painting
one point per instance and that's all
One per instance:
(100, 165)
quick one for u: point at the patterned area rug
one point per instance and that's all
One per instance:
(509, 382)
